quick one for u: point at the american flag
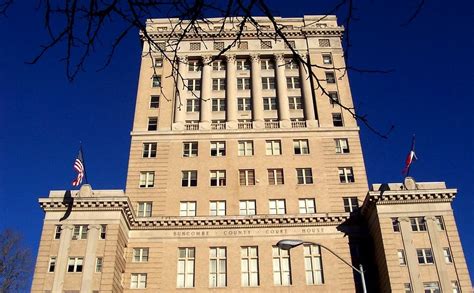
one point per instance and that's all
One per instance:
(79, 168)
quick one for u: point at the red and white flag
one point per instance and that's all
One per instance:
(79, 168)
(410, 158)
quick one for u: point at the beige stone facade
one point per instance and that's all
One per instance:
(232, 154)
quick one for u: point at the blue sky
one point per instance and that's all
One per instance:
(430, 92)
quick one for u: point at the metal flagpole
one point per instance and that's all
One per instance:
(83, 163)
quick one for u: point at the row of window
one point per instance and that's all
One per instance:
(433, 287)
(80, 232)
(247, 207)
(425, 256)
(418, 224)
(245, 148)
(75, 264)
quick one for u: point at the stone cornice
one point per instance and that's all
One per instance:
(410, 196)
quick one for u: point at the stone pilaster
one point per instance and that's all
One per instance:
(231, 92)
(180, 99)
(257, 99)
(206, 90)
(282, 92)
(307, 93)
(62, 257)
(90, 258)
(410, 253)
(441, 268)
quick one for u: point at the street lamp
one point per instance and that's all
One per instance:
(287, 244)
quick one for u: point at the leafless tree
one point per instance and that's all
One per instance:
(15, 262)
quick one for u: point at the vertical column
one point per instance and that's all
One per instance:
(62, 257)
(89, 259)
(206, 87)
(437, 249)
(307, 93)
(257, 99)
(180, 99)
(282, 92)
(231, 91)
(410, 253)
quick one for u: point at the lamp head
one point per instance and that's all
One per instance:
(287, 244)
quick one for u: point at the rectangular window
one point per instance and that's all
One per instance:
(300, 146)
(342, 146)
(290, 44)
(154, 102)
(158, 62)
(187, 209)
(188, 178)
(324, 43)
(268, 83)
(244, 104)
(333, 98)
(243, 45)
(270, 104)
(455, 287)
(425, 256)
(267, 64)
(195, 46)
(313, 265)
(194, 84)
(140, 254)
(74, 264)
(57, 232)
(307, 206)
(217, 267)
(138, 281)
(218, 84)
(192, 105)
(218, 104)
(293, 82)
(275, 177)
(144, 209)
(245, 148)
(243, 83)
(217, 208)
(337, 120)
(291, 64)
(52, 264)
(327, 59)
(276, 207)
(418, 224)
(217, 148)
(147, 179)
(395, 225)
(439, 223)
(219, 45)
(304, 175)
(80, 232)
(330, 78)
(295, 103)
(431, 287)
(273, 147)
(447, 255)
(156, 81)
(247, 207)
(218, 178)
(98, 265)
(218, 65)
(103, 232)
(149, 150)
(249, 266)
(185, 275)
(346, 175)
(350, 204)
(407, 287)
(401, 257)
(281, 267)
(194, 66)
(190, 149)
(247, 177)
(243, 64)
(265, 44)
(152, 123)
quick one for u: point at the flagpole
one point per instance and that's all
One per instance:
(84, 163)
(412, 150)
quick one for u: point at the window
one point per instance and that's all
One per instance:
(247, 177)
(293, 82)
(346, 175)
(154, 102)
(407, 287)
(281, 267)
(158, 62)
(431, 287)
(219, 45)
(267, 64)
(57, 232)
(269, 103)
(98, 264)
(439, 223)
(337, 120)
(295, 103)
(275, 176)
(455, 287)
(447, 255)
(140, 254)
(218, 84)
(243, 45)
(273, 147)
(247, 207)
(52, 264)
(306, 206)
(194, 66)
(265, 44)
(147, 179)
(217, 208)
(80, 232)
(144, 209)
(330, 78)
(395, 225)
(350, 204)
(187, 209)
(401, 257)
(192, 105)
(290, 44)
(424, 256)
(342, 146)
(249, 266)
(333, 98)
(313, 265)
(103, 231)
(243, 64)
(218, 104)
(152, 123)
(244, 104)
(194, 84)
(276, 207)
(243, 83)
(74, 265)
(218, 178)
(217, 148)
(138, 281)
(327, 59)
(291, 64)
(418, 224)
(300, 146)
(195, 46)
(217, 267)
(268, 83)
(189, 178)
(149, 150)
(245, 148)
(218, 65)
(324, 43)
(185, 278)
(156, 81)
(190, 149)
(304, 175)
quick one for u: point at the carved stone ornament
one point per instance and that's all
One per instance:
(255, 58)
(206, 59)
(279, 58)
(183, 59)
(409, 183)
(230, 58)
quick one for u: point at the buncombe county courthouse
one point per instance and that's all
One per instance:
(230, 154)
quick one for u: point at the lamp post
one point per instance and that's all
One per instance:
(287, 244)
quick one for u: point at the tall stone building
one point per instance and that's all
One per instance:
(231, 153)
